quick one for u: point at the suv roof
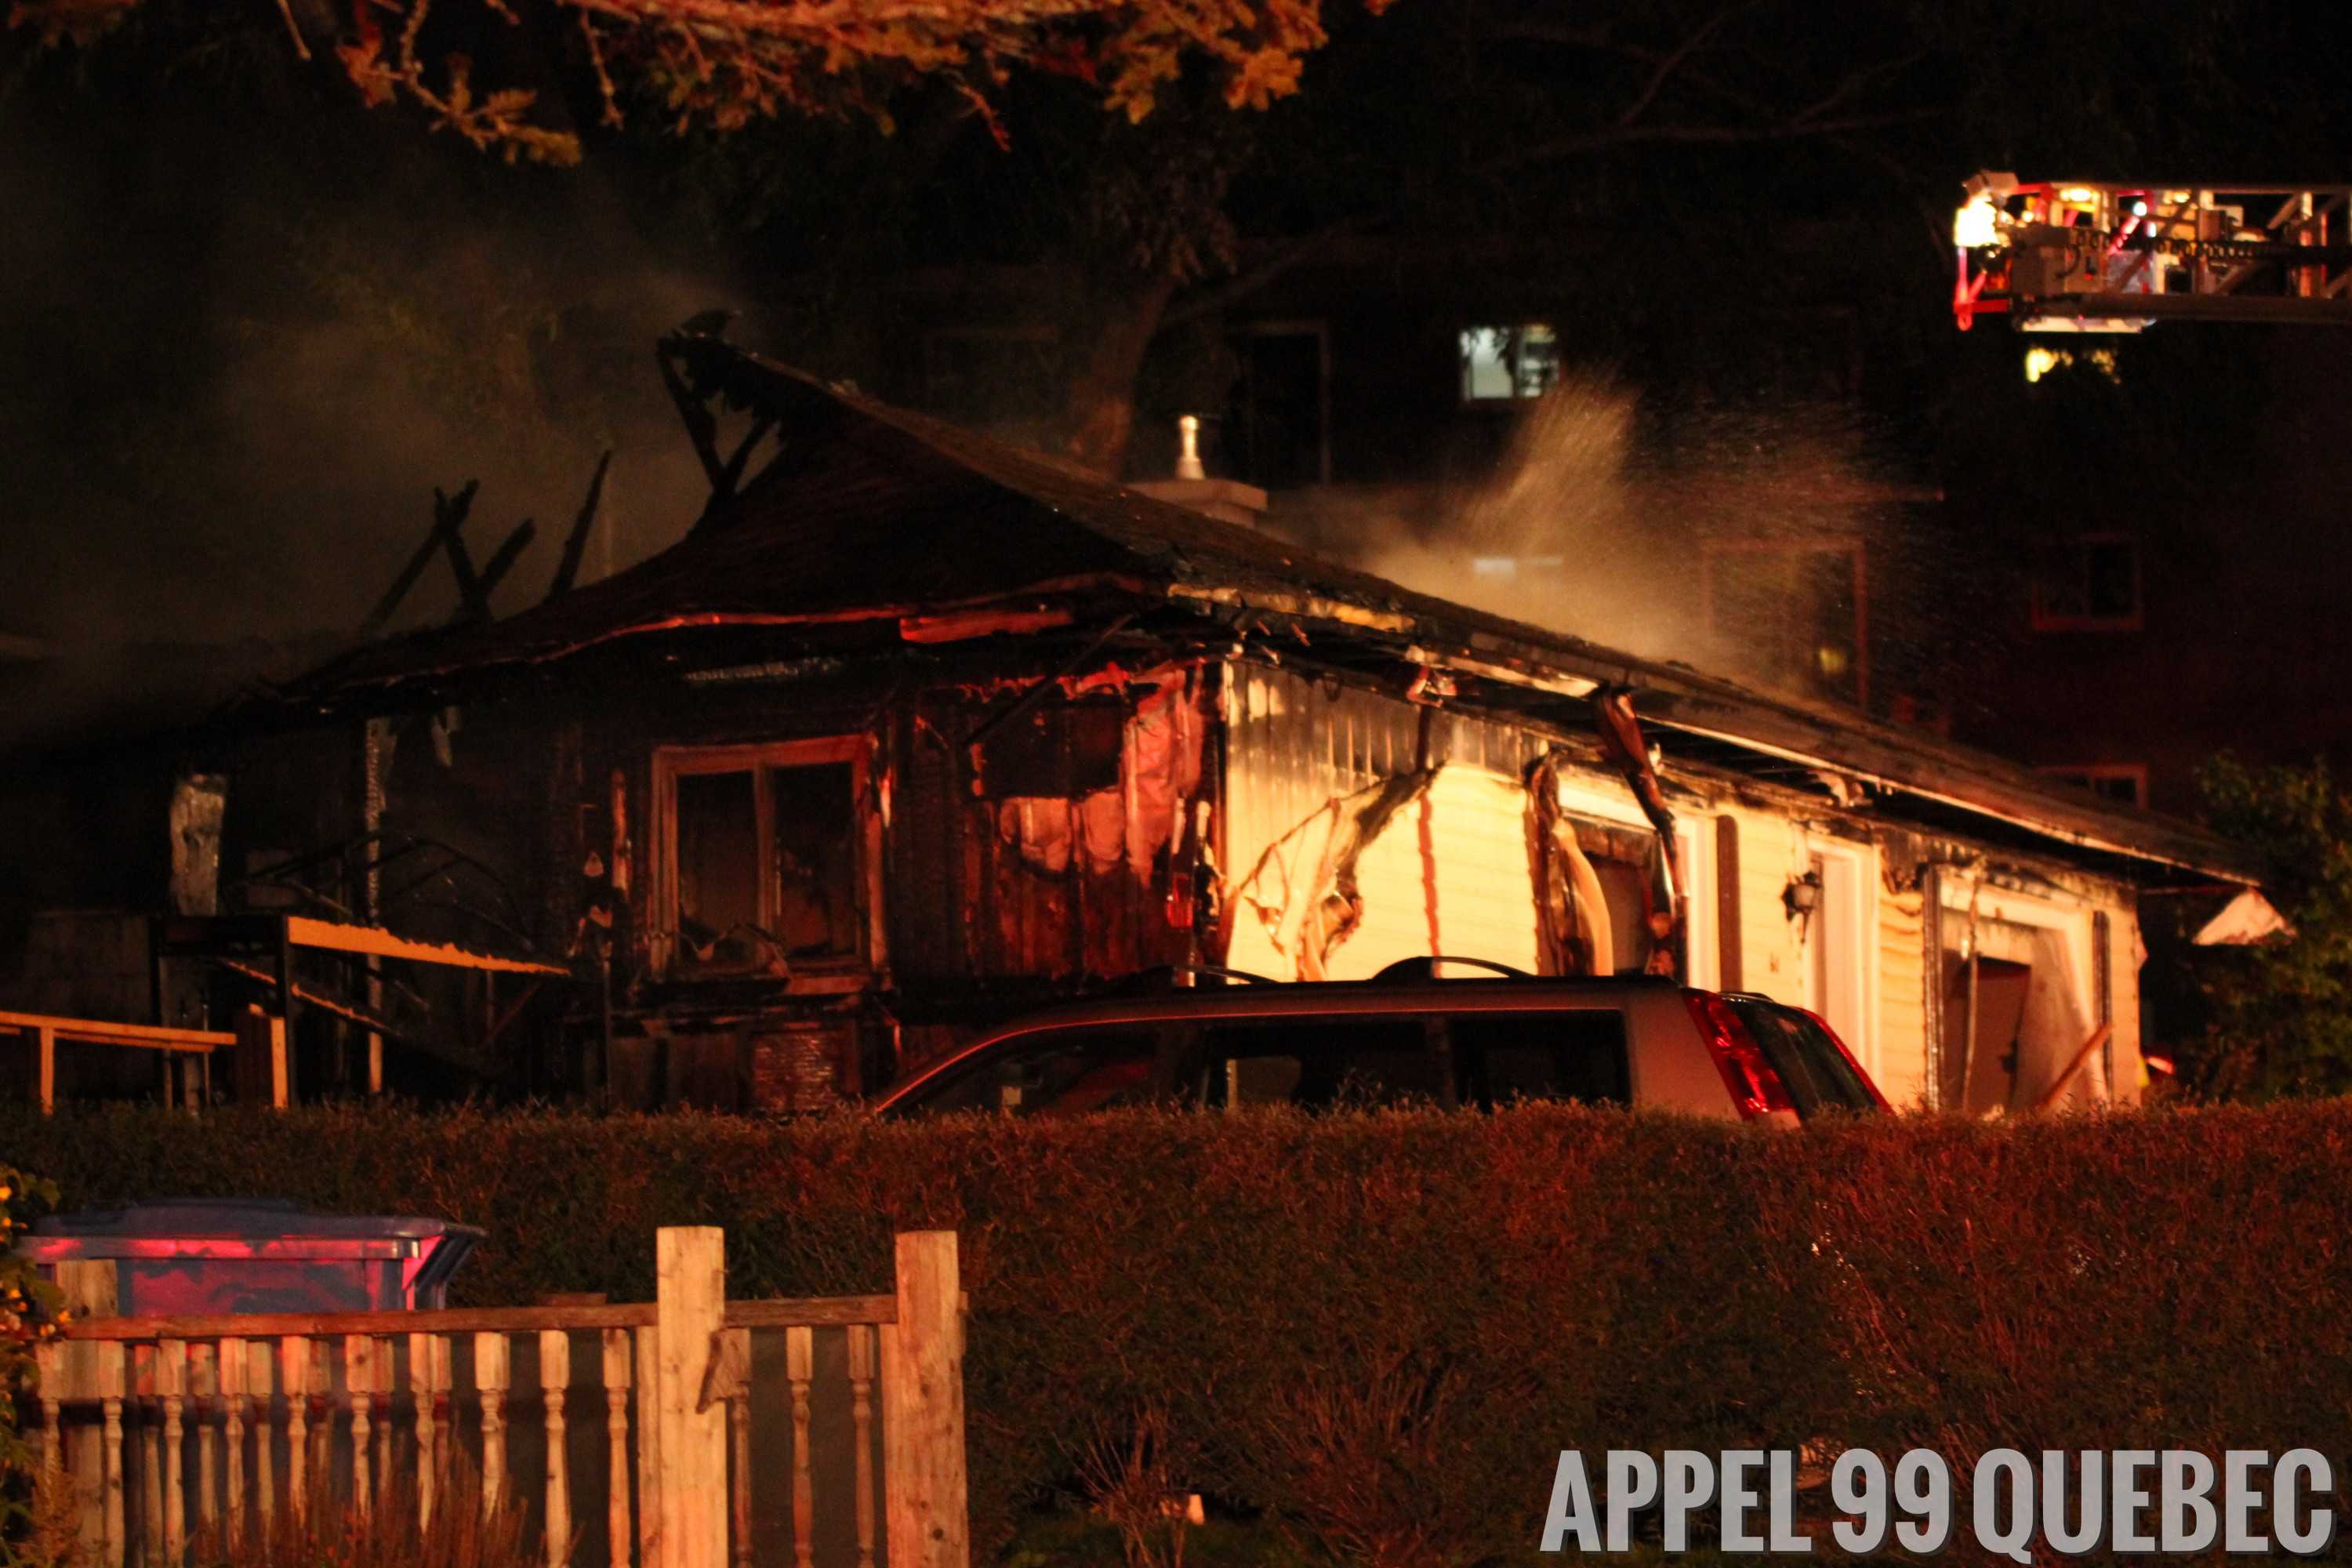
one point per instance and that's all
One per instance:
(1652, 1007)
(1318, 998)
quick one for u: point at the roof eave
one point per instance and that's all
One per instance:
(1691, 701)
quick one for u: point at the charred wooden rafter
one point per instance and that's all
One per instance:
(448, 517)
(510, 550)
(700, 369)
(702, 424)
(575, 544)
(449, 522)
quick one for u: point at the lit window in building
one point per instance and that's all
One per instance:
(1500, 365)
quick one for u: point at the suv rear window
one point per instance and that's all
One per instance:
(1504, 1057)
(1819, 1074)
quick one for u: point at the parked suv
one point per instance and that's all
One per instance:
(1414, 1033)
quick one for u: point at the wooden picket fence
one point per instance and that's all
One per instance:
(167, 1428)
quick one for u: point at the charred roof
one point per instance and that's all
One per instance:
(875, 516)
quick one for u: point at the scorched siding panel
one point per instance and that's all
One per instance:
(1770, 962)
(1303, 759)
(1901, 1070)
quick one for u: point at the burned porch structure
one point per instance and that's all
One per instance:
(915, 729)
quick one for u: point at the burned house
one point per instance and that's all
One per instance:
(915, 729)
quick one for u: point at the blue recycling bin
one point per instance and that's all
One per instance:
(206, 1256)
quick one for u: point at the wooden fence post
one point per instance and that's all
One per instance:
(88, 1286)
(650, 1465)
(261, 1058)
(691, 1312)
(616, 1443)
(491, 1368)
(44, 1066)
(554, 1385)
(110, 1383)
(928, 1523)
(172, 1390)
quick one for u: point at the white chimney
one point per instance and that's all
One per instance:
(1228, 500)
(1188, 461)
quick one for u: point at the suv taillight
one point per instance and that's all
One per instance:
(1754, 1087)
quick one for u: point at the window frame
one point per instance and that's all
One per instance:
(2045, 619)
(2085, 775)
(1517, 330)
(833, 973)
(1587, 800)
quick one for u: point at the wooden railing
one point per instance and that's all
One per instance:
(178, 1048)
(166, 1427)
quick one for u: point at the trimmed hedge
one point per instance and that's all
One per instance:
(1383, 1327)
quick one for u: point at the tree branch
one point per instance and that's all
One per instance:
(1853, 83)
(1673, 62)
(1697, 135)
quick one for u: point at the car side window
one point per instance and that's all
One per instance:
(1061, 1072)
(1319, 1064)
(1571, 1055)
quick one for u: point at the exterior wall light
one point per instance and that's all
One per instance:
(1801, 894)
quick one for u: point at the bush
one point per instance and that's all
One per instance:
(27, 1315)
(326, 1532)
(2276, 1017)
(1379, 1330)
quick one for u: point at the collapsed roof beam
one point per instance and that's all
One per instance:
(448, 517)
(510, 551)
(473, 603)
(701, 428)
(701, 369)
(575, 544)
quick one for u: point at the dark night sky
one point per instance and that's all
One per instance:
(248, 324)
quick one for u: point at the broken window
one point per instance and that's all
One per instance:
(2088, 584)
(767, 856)
(812, 857)
(718, 864)
(1500, 365)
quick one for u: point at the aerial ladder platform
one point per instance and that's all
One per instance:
(2091, 257)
